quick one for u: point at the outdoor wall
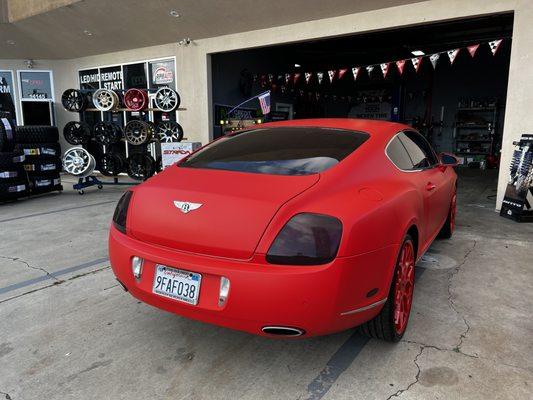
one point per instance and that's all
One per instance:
(193, 67)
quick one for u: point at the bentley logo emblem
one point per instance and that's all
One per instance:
(186, 207)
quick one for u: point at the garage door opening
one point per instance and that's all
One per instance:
(457, 100)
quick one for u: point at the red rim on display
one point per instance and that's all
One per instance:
(403, 289)
(136, 99)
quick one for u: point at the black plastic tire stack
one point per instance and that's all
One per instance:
(40, 146)
(13, 181)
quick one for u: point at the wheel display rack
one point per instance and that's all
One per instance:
(139, 132)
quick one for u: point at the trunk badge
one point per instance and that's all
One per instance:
(185, 206)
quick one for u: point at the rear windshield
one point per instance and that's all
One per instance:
(278, 151)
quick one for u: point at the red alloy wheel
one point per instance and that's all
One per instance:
(403, 288)
(453, 212)
(136, 99)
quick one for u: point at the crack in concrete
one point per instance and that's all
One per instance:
(453, 306)
(417, 376)
(57, 283)
(19, 260)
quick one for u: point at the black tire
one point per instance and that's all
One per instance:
(38, 149)
(382, 326)
(447, 229)
(6, 138)
(43, 164)
(36, 134)
(74, 100)
(141, 166)
(13, 190)
(44, 183)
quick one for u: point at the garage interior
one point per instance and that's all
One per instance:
(458, 107)
(69, 331)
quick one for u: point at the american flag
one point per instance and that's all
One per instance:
(264, 101)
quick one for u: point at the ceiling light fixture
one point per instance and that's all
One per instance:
(87, 32)
(297, 65)
(418, 53)
(174, 13)
(10, 42)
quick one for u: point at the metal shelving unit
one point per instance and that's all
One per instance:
(475, 131)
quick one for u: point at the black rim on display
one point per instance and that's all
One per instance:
(169, 131)
(112, 164)
(141, 166)
(76, 132)
(167, 99)
(74, 100)
(107, 133)
(138, 132)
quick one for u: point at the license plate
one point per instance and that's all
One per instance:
(177, 284)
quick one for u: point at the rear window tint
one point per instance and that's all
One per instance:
(279, 151)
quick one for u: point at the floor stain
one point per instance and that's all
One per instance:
(93, 366)
(441, 376)
(5, 349)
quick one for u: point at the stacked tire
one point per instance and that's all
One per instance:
(42, 153)
(13, 182)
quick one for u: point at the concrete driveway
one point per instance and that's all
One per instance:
(68, 331)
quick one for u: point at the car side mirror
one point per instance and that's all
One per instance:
(448, 159)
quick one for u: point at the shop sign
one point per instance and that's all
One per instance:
(221, 113)
(171, 153)
(162, 72)
(111, 78)
(89, 79)
(6, 82)
(36, 85)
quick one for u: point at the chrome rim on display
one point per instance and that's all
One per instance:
(167, 99)
(169, 131)
(138, 132)
(76, 132)
(105, 99)
(73, 100)
(79, 162)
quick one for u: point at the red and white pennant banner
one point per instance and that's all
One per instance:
(320, 76)
(452, 54)
(355, 72)
(472, 49)
(331, 74)
(369, 69)
(495, 45)
(308, 76)
(342, 72)
(384, 69)
(434, 58)
(400, 64)
(416, 62)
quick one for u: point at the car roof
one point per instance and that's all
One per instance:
(380, 131)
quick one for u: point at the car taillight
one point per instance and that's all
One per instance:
(307, 239)
(121, 211)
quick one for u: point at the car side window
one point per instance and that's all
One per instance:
(421, 153)
(398, 155)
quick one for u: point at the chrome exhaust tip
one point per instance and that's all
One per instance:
(283, 331)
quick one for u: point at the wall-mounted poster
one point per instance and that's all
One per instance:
(111, 78)
(6, 82)
(36, 85)
(89, 79)
(162, 73)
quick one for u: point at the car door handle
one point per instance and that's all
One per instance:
(430, 186)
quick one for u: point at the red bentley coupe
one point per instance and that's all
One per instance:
(294, 228)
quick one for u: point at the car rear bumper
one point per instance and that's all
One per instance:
(317, 299)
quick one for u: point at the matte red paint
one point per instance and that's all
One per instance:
(242, 213)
